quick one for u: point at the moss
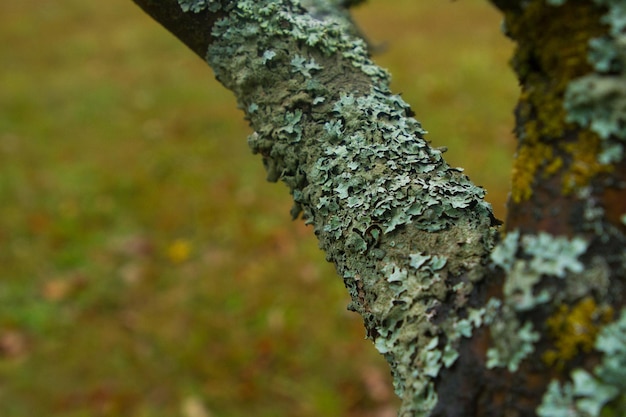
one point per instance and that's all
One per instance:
(585, 163)
(552, 50)
(577, 162)
(529, 159)
(574, 329)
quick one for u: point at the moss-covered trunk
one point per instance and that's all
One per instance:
(469, 326)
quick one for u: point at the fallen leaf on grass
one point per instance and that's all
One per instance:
(179, 251)
(13, 344)
(192, 406)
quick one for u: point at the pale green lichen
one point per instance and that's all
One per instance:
(552, 255)
(476, 317)
(304, 67)
(432, 262)
(532, 257)
(558, 402)
(598, 101)
(512, 342)
(196, 6)
(268, 55)
(503, 255)
(253, 107)
(601, 393)
(527, 260)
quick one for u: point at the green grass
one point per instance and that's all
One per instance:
(147, 267)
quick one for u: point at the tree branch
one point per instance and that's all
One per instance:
(193, 29)
(406, 232)
(465, 322)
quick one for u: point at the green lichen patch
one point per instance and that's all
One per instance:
(512, 341)
(528, 259)
(196, 6)
(596, 100)
(304, 67)
(476, 317)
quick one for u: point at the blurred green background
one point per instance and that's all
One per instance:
(146, 267)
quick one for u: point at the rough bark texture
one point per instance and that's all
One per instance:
(530, 325)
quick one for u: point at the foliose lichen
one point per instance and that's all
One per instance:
(512, 341)
(196, 6)
(601, 393)
(476, 318)
(528, 260)
(304, 67)
(532, 257)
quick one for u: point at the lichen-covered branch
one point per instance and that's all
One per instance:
(564, 255)
(469, 325)
(409, 235)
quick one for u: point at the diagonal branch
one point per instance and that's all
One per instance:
(409, 235)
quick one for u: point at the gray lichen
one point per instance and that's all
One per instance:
(405, 231)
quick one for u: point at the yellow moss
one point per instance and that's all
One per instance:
(584, 164)
(527, 161)
(574, 329)
(553, 167)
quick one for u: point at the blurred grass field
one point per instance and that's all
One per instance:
(147, 268)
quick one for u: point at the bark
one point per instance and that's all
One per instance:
(471, 324)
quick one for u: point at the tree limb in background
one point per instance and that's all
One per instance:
(469, 326)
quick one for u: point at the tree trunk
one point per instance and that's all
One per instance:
(471, 324)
